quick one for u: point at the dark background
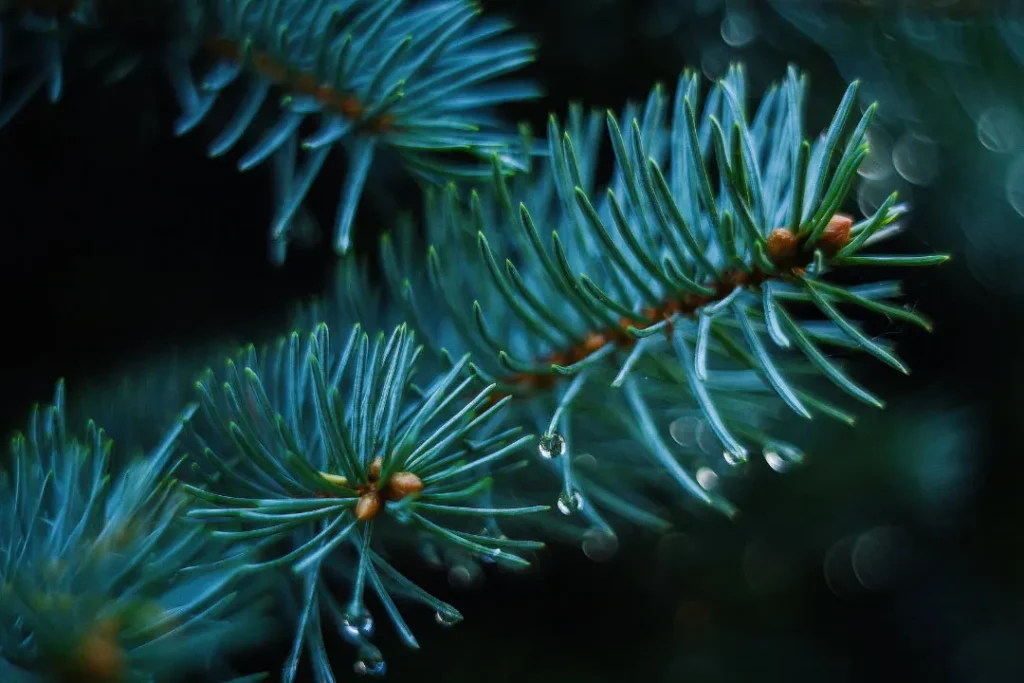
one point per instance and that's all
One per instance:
(895, 553)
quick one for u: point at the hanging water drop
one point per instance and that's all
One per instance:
(551, 445)
(355, 627)
(569, 503)
(370, 662)
(488, 532)
(734, 458)
(780, 457)
(446, 618)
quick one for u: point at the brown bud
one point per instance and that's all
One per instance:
(99, 657)
(783, 247)
(375, 468)
(368, 507)
(836, 234)
(402, 484)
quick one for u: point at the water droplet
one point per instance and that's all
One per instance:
(916, 158)
(734, 459)
(569, 503)
(999, 129)
(446, 618)
(358, 626)
(490, 533)
(780, 456)
(551, 445)
(370, 662)
(600, 545)
(738, 28)
(707, 478)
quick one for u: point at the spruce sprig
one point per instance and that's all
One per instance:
(674, 284)
(93, 584)
(322, 456)
(371, 76)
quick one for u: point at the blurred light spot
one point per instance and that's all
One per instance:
(1015, 184)
(738, 28)
(462, 575)
(877, 164)
(999, 129)
(693, 433)
(838, 568)
(585, 461)
(916, 158)
(880, 557)
(707, 478)
(714, 61)
(871, 195)
(683, 431)
(600, 545)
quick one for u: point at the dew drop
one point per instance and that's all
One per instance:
(357, 626)
(446, 619)
(780, 457)
(569, 503)
(707, 478)
(370, 662)
(734, 459)
(490, 533)
(551, 445)
(369, 668)
(600, 545)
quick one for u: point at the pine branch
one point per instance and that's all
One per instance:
(371, 75)
(321, 455)
(92, 564)
(671, 285)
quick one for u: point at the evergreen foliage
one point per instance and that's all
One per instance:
(101, 579)
(326, 457)
(702, 280)
(306, 77)
(673, 288)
